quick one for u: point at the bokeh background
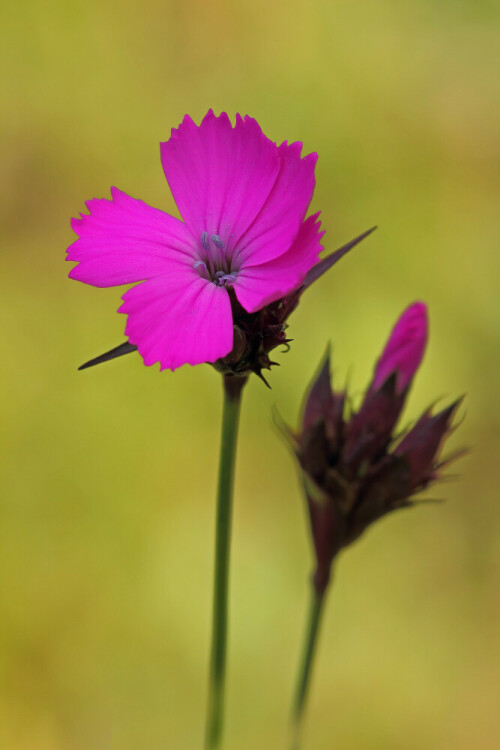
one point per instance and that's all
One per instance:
(108, 475)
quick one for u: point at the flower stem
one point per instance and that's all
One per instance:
(233, 386)
(315, 612)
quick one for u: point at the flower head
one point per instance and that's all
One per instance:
(355, 469)
(243, 246)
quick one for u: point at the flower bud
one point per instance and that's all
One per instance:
(405, 348)
(352, 469)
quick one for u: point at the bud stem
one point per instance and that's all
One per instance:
(233, 386)
(299, 704)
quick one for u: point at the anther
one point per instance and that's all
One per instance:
(217, 241)
(224, 279)
(204, 240)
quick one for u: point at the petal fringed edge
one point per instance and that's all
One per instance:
(257, 286)
(220, 175)
(179, 319)
(275, 228)
(124, 240)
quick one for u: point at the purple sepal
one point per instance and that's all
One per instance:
(369, 432)
(421, 444)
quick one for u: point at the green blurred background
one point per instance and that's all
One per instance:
(108, 475)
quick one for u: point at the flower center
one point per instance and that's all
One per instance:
(214, 264)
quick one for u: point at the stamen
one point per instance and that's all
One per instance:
(204, 240)
(221, 278)
(217, 241)
(202, 269)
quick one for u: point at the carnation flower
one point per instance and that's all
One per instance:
(243, 202)
(243, 245)
(355, 468)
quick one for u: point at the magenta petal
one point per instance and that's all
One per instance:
(179, 319)
(220, 175)
(257, 286)
(405, 348)
(124, 240)
(276, 227)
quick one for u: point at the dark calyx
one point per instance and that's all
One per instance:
(256, 335)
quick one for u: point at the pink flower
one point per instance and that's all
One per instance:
(243, 201)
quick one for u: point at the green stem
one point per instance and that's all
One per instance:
(315, 612)
(230, 417)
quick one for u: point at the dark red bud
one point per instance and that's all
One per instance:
(351, 471)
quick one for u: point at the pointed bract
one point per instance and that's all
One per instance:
(319, 398)
(117, 351)
(325, 264)
(421, 444)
